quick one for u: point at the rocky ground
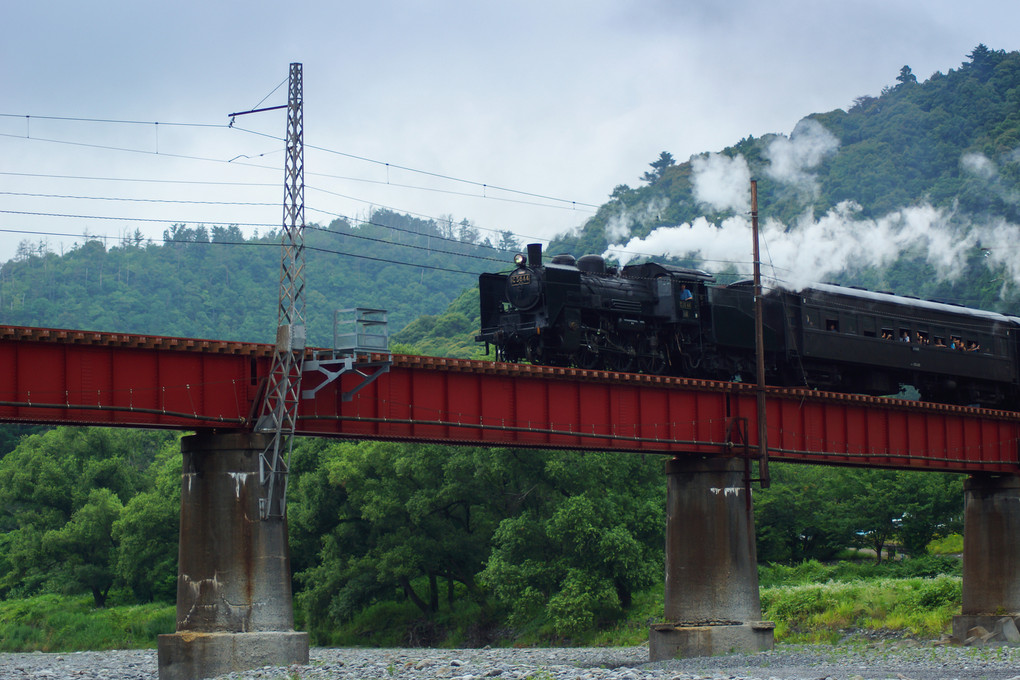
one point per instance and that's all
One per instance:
(904, 659)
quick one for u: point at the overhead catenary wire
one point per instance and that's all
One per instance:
(137, 200)
(777, 278)
(261, 244)
(78, 119)
(362, 237)
(329, 192)
(234, 161)
(437, 175)
(365, 159)
(140, 179)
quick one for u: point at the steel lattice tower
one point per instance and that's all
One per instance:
(283, 389)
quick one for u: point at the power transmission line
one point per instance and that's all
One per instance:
(450, 178)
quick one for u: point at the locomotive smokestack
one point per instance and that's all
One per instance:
(535, 254)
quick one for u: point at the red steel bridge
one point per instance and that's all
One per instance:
(73, 377)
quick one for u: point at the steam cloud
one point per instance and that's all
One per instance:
(984, 168)
(791, 158)
(812, 250)
(721, 182)
(620, 226)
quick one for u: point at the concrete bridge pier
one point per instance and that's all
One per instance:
(234, 603)
(712, 603)
(991, 559)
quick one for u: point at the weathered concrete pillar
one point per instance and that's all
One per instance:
(991, 557)
(234, 603)
(712, 601)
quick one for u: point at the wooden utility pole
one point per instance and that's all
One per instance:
(759, 345)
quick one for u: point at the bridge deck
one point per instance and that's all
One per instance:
(89, 378)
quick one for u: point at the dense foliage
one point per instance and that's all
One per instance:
(217, 283)
(560, 538)
(552, 534)
(83, 509)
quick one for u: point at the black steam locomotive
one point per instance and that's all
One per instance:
(663, 319)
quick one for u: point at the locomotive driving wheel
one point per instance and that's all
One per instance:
(652, 357)
(533, 350)
(653, 363)
(624, 360)
(588, 356)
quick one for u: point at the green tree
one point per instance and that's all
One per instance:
(803, 515)
(589, 538)
(60, 494)
(813, 512)
(906, 76)
(391, 518)
(146, 533)
(932, 508)
(80, 553)
(659, 166)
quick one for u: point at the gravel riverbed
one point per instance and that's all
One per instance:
(897, 660)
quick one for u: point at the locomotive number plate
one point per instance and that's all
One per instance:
(522, 279)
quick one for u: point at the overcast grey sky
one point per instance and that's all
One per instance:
(556, 98)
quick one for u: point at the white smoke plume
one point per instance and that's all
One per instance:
(791, 158)
(814, 250)
(980, 165)
(620, 226)
(985, 169)
(721, 182)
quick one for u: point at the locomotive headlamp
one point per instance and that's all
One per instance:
(519, 259)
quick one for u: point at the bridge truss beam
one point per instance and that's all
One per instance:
(85, 378)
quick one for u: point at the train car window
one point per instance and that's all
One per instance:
(832, 325)
(940, 341)
(955, 342)
(868, 326)
(887, 334)
(904, 335)
(923, 337)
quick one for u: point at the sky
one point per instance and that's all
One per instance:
(519, 116)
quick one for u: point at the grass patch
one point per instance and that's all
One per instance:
(950, 545)
(809, 602)
(812, 571)
(823, 612)
(58, 623)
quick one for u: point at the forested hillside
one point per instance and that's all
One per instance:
(213, 282)
(920, 184)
